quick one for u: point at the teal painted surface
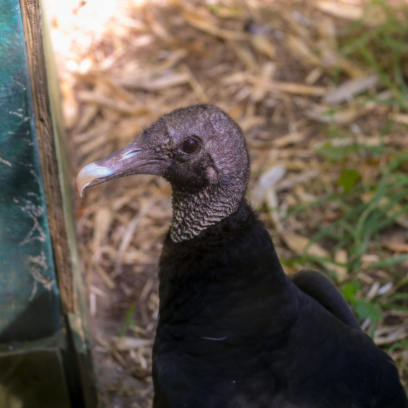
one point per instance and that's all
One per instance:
(29, 299)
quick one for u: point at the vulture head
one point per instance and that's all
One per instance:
(200, 151)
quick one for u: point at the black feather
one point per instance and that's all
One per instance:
(317, 286)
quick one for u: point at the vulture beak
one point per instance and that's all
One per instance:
(131, 159)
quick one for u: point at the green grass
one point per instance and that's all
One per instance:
(363, 220)
(382, 48)
(129, 323)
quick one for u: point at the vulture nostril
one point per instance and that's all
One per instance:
(128, 155)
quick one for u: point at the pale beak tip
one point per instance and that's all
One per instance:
(89, 174)
(81, 183)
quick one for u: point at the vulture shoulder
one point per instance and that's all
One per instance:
(318, 287)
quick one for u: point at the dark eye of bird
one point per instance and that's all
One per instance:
(189, 146)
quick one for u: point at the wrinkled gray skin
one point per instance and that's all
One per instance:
(208, 185)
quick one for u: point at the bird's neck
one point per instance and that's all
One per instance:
(230, 264)
(194, 212)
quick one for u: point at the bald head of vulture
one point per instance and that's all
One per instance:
(200, 150)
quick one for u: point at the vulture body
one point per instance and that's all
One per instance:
(234, 330)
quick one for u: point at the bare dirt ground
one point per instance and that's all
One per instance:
(274, 66)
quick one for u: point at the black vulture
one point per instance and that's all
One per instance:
(234, 330)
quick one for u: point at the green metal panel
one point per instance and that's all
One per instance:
(29, 299)
(45, 359)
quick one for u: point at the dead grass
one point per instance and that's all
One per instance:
(327, 136)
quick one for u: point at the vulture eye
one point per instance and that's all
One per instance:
(189, 146)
